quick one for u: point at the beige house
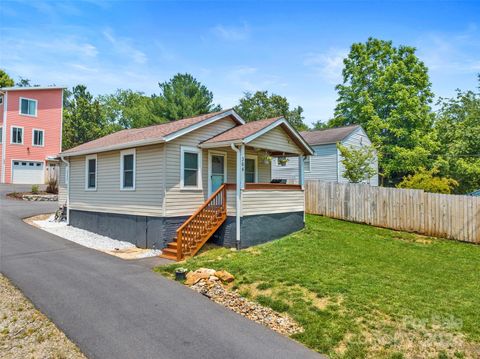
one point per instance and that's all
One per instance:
(174, 186)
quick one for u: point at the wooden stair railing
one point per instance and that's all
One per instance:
(197, 229)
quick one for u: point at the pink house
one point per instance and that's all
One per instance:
(30, 133)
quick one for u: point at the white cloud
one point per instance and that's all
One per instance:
(232, 33)
(123, 46)
(454, 53)
(327, 65)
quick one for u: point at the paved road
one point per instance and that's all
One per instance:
(120, 309)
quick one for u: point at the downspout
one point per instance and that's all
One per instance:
(238, 196)
(4, 134)
(68, 187)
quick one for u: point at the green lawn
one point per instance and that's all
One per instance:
(361, 291)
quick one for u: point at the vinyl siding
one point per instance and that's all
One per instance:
(323, 166)
(265, 202)
(62, 186)
(145, 200)
(182, 202)
(276, 140)
(357, 139)
(48, 119)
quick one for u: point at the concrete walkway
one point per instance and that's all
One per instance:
(113, 308)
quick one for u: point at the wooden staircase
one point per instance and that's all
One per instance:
(197, 229)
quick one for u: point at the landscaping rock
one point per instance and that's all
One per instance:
(201, 273)
(40, 197)
(225, 276)
(214, 290)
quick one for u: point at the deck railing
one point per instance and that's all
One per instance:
(201, 225)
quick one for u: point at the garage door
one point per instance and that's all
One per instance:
(28, 172)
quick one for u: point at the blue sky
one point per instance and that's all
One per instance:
(292, 48)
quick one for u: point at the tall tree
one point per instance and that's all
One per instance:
(5, 80)
(23, 82)
(83, 119)
(387, 90)
(458, 128)
(129, 109)
(261, 104)
(183, 96)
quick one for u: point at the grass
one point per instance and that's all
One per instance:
(361, 291)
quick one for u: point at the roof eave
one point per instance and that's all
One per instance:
(205, 122)
(112, 148)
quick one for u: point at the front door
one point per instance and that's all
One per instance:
(217, 170)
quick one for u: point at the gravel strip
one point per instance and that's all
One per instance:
(27, 333)
(279, 322)
(92, 240)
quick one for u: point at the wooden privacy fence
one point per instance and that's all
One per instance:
(439, 215)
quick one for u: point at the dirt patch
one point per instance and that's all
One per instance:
(27, 333)
(413, 337)
(40, 217)
(289, 294)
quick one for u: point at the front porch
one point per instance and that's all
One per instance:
(245, 206)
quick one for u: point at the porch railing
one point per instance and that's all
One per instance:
(201, 225)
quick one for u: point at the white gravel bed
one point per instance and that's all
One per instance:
(90, 239)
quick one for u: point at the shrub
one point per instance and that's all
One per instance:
(52, 185)
(429, 182)
(35, 189)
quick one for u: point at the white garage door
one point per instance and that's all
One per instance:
(28, 172)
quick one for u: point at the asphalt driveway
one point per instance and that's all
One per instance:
(113, 308)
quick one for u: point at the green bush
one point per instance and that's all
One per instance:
(429, 182)
(35, 189)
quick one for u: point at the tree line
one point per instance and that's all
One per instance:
(385, 88)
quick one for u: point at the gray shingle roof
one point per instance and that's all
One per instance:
(330, 135)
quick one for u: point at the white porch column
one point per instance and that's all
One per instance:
(240, 174)
(301, 172)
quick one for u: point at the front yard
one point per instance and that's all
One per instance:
(360, 291)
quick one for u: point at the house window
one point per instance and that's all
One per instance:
(306, 163)
(37, 138)
(91, 173)
(251, 169)
(1, 134)
(127, 169)
(28, 107)
(17, 135)
(1, 99)
(190, 176)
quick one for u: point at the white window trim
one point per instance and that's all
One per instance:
(20, 106)
(252, 157)
(122, 154)
(187, 149)
(87, 158)
(33, 137)
(309, 164)
(218, 153)
(11, 135)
